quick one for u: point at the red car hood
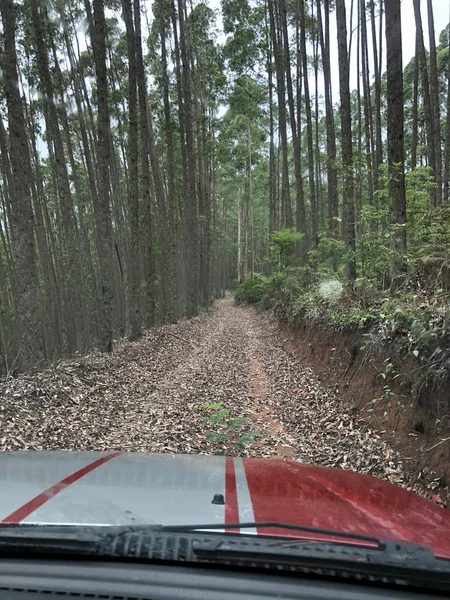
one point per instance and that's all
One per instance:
(123, 488)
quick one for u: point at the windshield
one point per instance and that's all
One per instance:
(224, 266)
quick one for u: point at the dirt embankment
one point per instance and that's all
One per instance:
(388, 390)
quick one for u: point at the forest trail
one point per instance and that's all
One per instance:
(150, 395)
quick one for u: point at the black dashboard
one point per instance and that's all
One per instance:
(27, 579)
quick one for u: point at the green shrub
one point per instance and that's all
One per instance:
(329, 256)
(283, 244)
(251, 291)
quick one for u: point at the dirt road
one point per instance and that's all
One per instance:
(150, 395)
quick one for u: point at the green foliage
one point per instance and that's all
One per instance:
(242, 22)
(427, 234)
(251, 291)
(283, 244)
(227, 430)
(329, 255)
(432, 235)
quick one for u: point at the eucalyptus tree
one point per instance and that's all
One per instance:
(102, 212)
(429, 112)
(28, 333)
(348, 217)
(397, 199)
(242, 138)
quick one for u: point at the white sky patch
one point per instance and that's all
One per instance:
(441, 9)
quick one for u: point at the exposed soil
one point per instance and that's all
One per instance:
(152, 395)
(385, 388)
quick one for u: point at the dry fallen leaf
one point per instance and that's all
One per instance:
(148, 395)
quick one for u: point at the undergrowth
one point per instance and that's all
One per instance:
(417, 322)
(228, 433)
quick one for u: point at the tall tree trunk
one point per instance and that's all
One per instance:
(300, 196)
(309, 126)
(102, 212)
(182, 137)
(332, 181)
(359, 179)
(134, 300)
(415, 109)
(346, 141)
(435, 103)
(239, 237)
(395, 125)
(146, 147)
(447, 137)
(190, 197)
(429, 119)
(28, 325)
(250, 200)
(377, 61)
(172, 300)
(368, 125)
(276, 34)
(317, 155)
(301, 211)
(273, 203)
(57, 156)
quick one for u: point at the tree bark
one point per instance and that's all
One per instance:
(309, 126)
(377, 56)
(300, 196)
(415, 109)
(368, 125)
(28, 321)
(145, 181)
(190, 196)
(57, 156)
(273, 201)
(172, 300)
(429, 120)
(134, 312)
(332, 180)
(395, 133)
(435, 103)
(346, 141)
(447, 137)
(276, 35)
(102, 211)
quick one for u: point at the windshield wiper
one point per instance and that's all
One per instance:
(273, 524)
(399, 562)
(70, 539)
(347, 554)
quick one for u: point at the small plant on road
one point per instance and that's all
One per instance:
(226, 429)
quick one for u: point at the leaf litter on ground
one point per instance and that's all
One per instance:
(150, 395)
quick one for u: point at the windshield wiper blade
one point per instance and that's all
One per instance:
(373, 556)
(403, 563)
(274, 524)
(53, 538)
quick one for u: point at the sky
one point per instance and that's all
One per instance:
(441, 19)
(441, 10)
